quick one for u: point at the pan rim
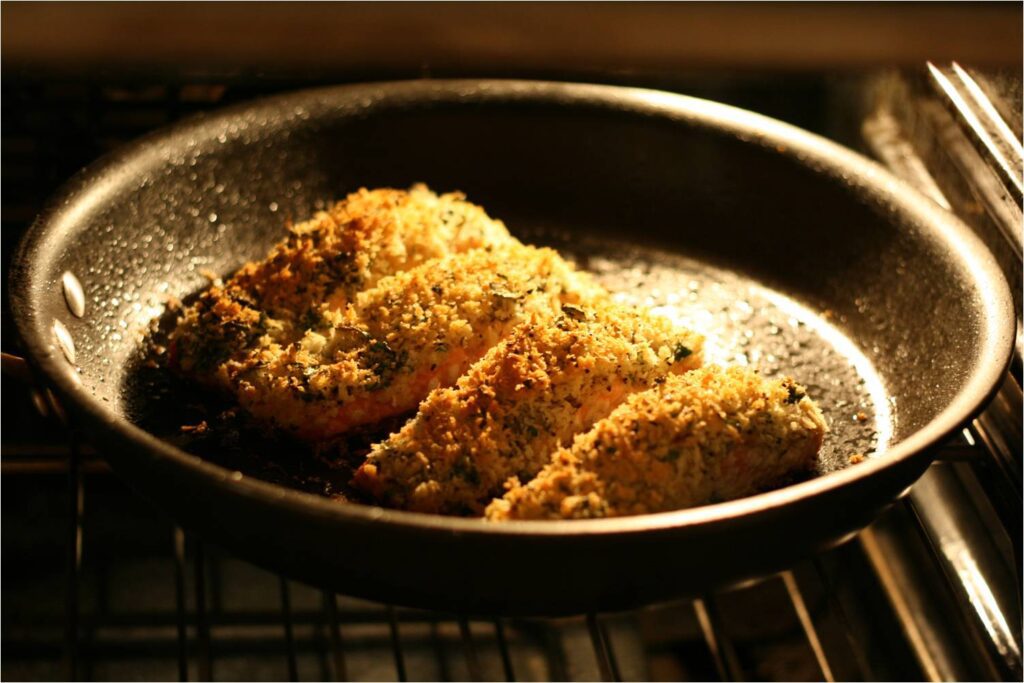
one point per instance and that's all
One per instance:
(90, 184)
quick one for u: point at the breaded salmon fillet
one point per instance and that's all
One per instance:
(394, 343)
(706, 436)
(369, 235)
(321, 265)
(530, 394)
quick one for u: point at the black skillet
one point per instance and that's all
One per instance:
(907, 283)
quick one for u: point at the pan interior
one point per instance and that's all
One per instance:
(792, 264)
(744, 322)
(747, 323)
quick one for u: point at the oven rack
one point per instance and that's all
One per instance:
(930, 591)
(877, 607)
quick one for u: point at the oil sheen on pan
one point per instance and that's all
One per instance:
(744, 323)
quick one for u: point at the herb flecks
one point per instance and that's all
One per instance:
(361, 334)
(312, 319)
(464, 468)
(384, 362)
(574, 312)
(504, 293)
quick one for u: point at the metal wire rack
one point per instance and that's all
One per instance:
(145, 600)
(104, 587)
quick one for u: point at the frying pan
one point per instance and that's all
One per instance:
(905, 283)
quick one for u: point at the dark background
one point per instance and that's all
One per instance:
(80, 79)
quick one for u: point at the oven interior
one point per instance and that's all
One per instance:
(99, 585)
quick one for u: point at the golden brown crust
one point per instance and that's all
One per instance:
(389, 296)
(528, 395)
(394, 343)
(369, 235)
(705, 436)
(320, 266)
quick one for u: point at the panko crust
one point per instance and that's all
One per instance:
(526, 397)
(710, 435)
(321, 265)
(415, 331)
(536, 383)
(369, 235)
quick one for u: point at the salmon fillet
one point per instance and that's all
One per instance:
(530, 394)
(703, 437)
(321, 265)
(410, 333)
(369, 235)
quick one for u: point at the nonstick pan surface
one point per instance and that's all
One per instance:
(791, 253)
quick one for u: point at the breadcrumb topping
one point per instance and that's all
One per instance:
(710, 435)
(526, 397)
(413, 332)
(321, 265)
(369, 235)
(538, 396)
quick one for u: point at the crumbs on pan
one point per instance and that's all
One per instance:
(201, 428)
(421, 316)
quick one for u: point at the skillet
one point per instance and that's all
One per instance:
(785, 234)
